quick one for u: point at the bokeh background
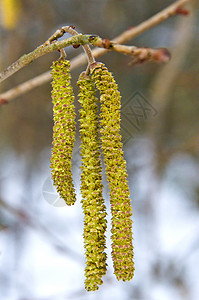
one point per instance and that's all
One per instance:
(41, 245)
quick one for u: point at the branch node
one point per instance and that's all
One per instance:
(107, 43)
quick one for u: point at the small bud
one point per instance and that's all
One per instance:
(182, 11)
(3, 101)
(76, 46)
(130, 27)
(162, 55)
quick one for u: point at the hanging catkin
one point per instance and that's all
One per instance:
(122, 247)
(91, 186)
(63, 130)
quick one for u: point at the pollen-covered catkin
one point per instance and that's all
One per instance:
(122, 247)
(91, 186)
(63, 130)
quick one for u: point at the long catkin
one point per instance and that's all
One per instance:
(122, 246)
(63, 130)
(91, 186)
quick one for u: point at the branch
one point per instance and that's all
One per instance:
(24, 87)
(190, 146)
(79, 60)
(26, 59)
(141, 55)
(29, 221)
(80, 39)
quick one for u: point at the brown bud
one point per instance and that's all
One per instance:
(130, 27)
(76, 46)
(182, 11)
(162, 55)
(3, 101)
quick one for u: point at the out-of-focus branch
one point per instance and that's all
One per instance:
(191, 146)
(165, 82)
(164, 14)
(165, 78)
(28, 220)
(79, 60)
(24, 87)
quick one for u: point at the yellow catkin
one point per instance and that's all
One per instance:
(10, 12)
(91, 186)
(122, 247)
(63, 130)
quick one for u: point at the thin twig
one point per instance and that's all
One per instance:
(81, 58)
(26, 59)
(24, 87)
(164, 14)
(163, 88)
(62, 54)
(140, 54)
(80, 39)
(129, 34)
(72, 31)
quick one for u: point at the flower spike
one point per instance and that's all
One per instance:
(91, 186)
(122, 247)
(63, 130)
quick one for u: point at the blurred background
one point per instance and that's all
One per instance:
(41, 243)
